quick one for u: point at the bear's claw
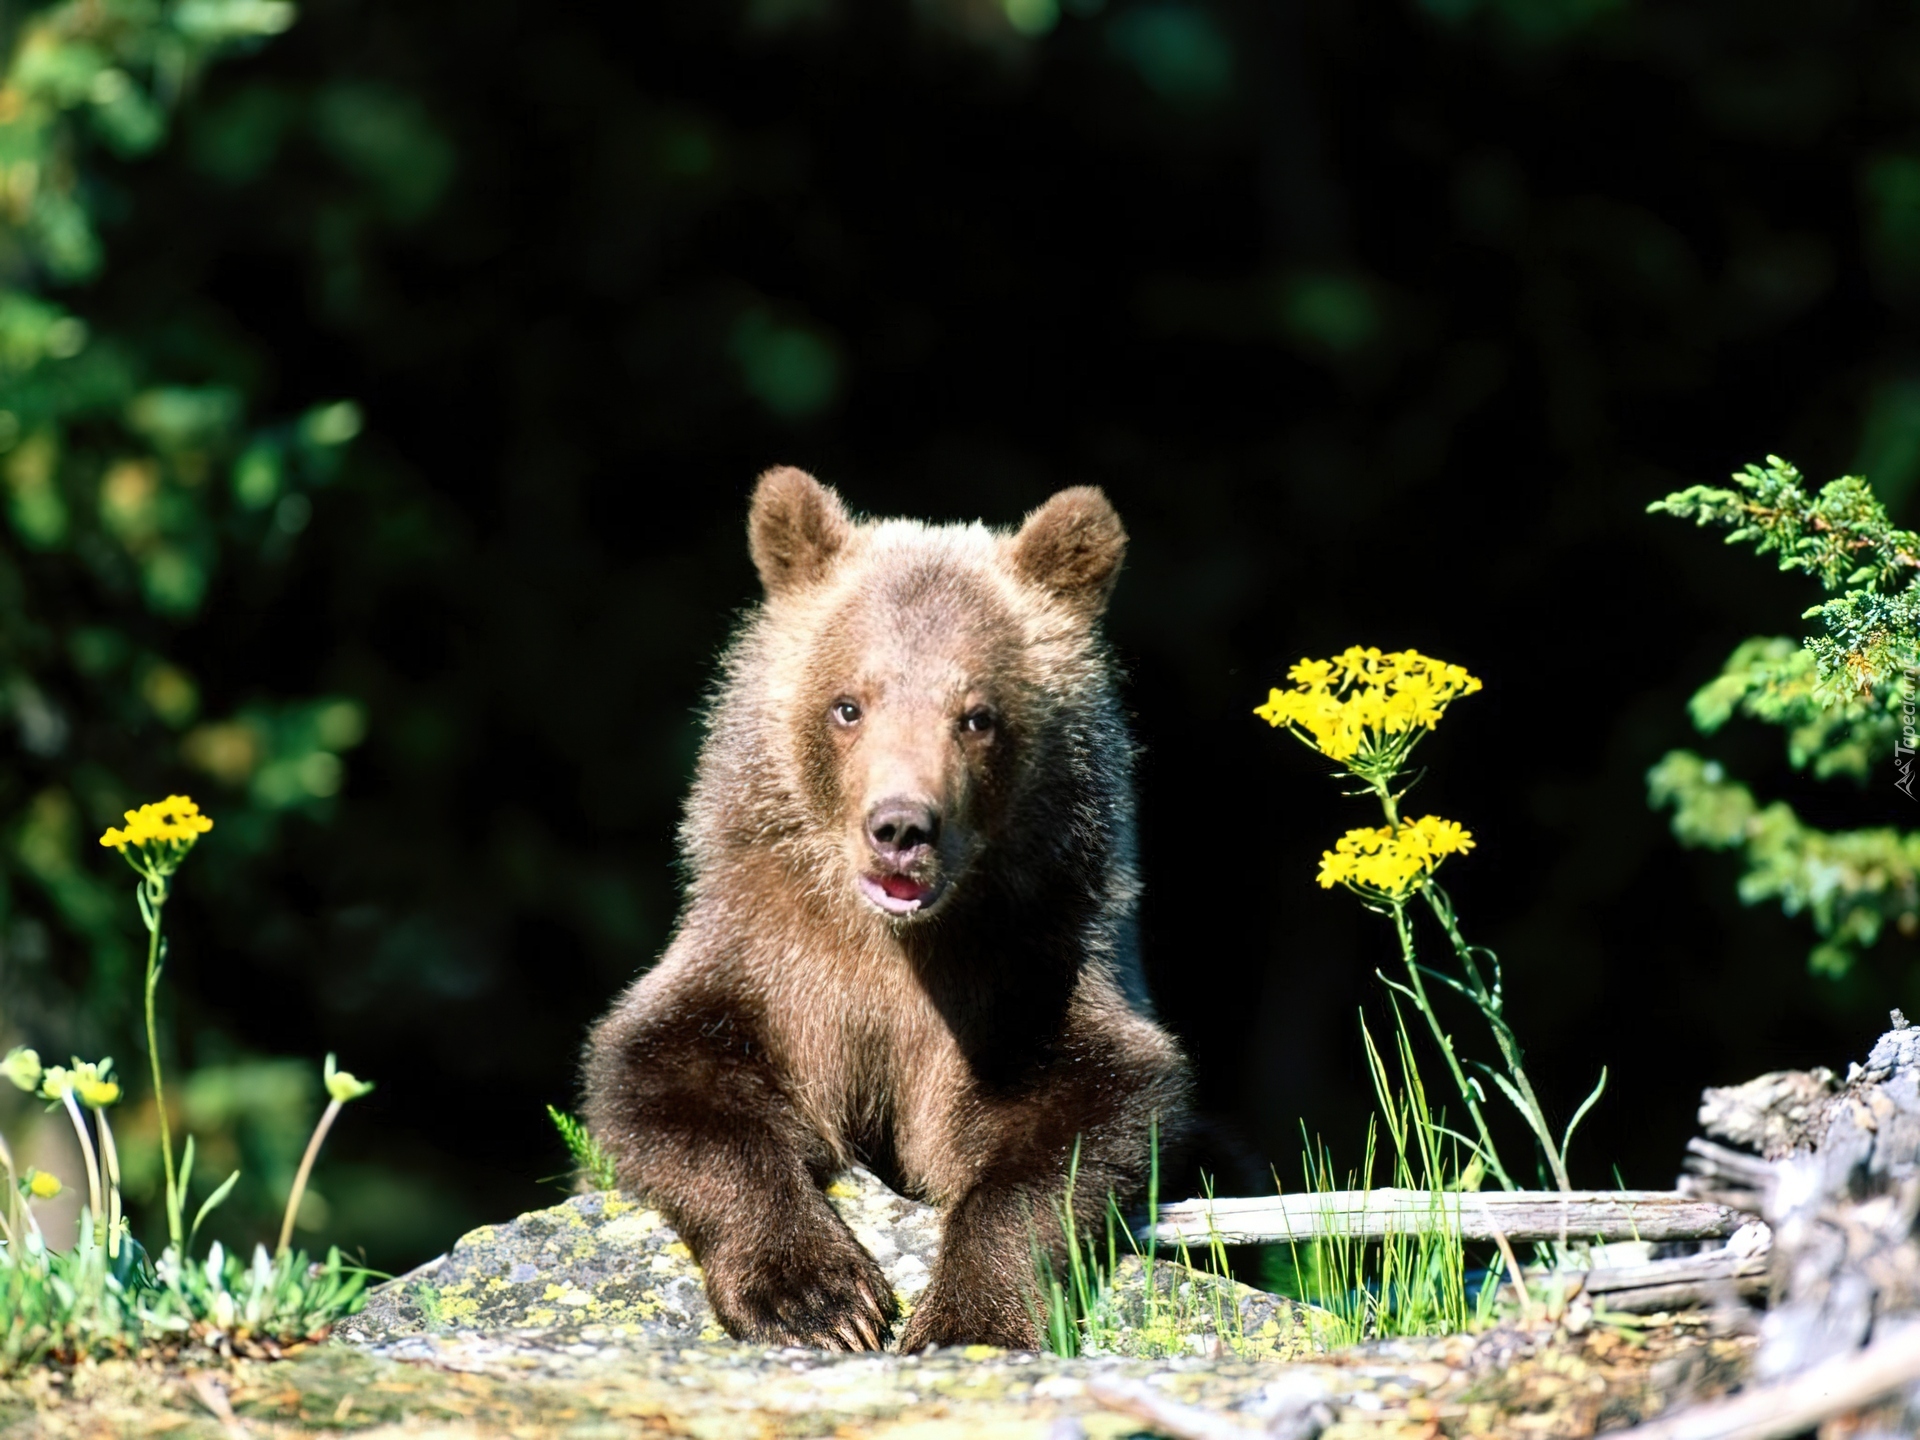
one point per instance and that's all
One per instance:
(823, 1292)
(941, 1320)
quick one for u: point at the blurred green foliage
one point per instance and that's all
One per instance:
(1845, 698)
(1179, 52)
(137, 476)
(790, 369)
(1537, 21)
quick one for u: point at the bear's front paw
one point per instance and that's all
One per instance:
(969, 1315)
(820, 1290)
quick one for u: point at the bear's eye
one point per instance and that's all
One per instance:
(977, 722)
(846, 712)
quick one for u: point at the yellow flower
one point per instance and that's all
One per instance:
(156, 838)
(1437, 838)
(22, 1067)
(43, 1186)
(98, 1093)
(1364, 701)
(1336, 867)
(1358, 664)
(175, 820)
(343, 1085)
(1389, 861)
(89, 1083)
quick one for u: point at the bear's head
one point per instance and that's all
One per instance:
(936, 686)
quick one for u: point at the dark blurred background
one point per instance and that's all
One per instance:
(1381, 322)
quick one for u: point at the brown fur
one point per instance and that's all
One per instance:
(962, 1050)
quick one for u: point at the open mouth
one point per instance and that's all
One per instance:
(898, 894)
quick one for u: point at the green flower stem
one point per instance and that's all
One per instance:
(110, 1155)
(86, 1149)
(10, 1222)
(1445, 1041)
(1490, 1007)
(306, 1168)
(20, 1222)
(1390, 804)
(152, 893)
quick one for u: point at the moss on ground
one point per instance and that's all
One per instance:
(1502, 1384)
(587, 1320)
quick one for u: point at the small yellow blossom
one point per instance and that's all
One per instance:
(1437, 838)
(43, 1186)
(175, 820)
(1389, 860)
(156, 838)
(90, 1083)
(343, 1085)
(1362, 699)
(22, 1067)
(98, 1093)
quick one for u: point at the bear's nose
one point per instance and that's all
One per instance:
(899, 829)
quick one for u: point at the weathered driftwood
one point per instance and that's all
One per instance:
(1838, 1182)
(1792, 1407)
(1677, 1284)
(1776, 1114)
(1521, 1216)
(1842, 1213)
(1845, 1278)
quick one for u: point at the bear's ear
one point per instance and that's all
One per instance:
(1073, 546)
(796, 527)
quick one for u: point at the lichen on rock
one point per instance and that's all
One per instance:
(604, 1268)
(1172, 1309)
(600, 1270)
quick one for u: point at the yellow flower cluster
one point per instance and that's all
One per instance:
(174, 821)
(1361, 697)
(1391, 860)
(92, 1083)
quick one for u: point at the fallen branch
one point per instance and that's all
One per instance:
(1719, 1266)
(1678, 1284)
(1833, 1387)
(1522, 1216)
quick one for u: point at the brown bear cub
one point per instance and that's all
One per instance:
(908, 934)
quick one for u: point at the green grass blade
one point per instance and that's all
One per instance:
(211, 1204)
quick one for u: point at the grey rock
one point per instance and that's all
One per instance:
(602, 1272)
(1184, 1311)
(601, 1268)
